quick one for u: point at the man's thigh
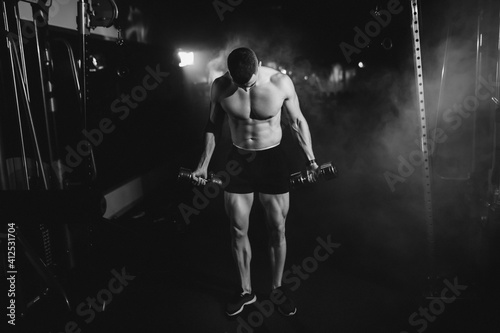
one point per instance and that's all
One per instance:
(276, 207)
(238, 207)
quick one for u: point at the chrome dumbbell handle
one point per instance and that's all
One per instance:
(326, 171)
(187, 174)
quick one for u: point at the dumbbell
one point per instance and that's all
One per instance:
(187, 174)
(326, 171)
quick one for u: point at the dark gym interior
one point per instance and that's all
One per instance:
(102, 102)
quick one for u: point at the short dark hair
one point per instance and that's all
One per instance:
(242, 64)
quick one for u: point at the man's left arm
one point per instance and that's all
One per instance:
(298, 123)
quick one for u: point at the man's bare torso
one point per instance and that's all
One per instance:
(254, 114)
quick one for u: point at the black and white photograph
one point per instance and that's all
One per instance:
(250, 166)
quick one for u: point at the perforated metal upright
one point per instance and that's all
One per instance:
(426, 172)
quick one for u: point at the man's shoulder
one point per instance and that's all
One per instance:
(221, 84)
(271, 73)
(274, 75)
(280, 80)
(222, 80)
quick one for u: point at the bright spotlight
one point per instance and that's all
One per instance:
(361, 64)
(187, 58)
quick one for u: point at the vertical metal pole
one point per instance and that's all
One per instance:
(48, 128)
(84, 30)
(479, 71)
(3, 160)
(31, 124)
(498, 59)
(429, 220)
(21, 47)
(11, 45)
(443, 80)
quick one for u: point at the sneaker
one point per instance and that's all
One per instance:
(239, 301)
(287, 308)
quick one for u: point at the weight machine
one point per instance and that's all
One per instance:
(33, 185)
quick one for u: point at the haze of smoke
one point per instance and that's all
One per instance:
(364, 131)
(268, 49)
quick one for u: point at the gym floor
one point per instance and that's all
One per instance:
(177, 277)
(157, 271)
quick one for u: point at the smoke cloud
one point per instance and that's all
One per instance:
(368, 127)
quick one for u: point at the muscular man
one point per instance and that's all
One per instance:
(252, 96)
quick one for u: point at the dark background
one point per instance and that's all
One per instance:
(381, 273)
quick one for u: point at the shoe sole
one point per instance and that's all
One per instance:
(242, 306)
(289, 314)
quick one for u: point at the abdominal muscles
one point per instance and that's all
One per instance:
(254, 134)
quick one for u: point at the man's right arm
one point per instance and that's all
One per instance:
(213, 130)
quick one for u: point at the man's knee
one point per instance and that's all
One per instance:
(277, 217)
(278, 233)
(237, 232)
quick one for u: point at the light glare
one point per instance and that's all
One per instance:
(187, 58)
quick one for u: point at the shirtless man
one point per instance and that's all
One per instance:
(252, 96)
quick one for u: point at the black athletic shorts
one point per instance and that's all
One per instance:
(263, 171)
